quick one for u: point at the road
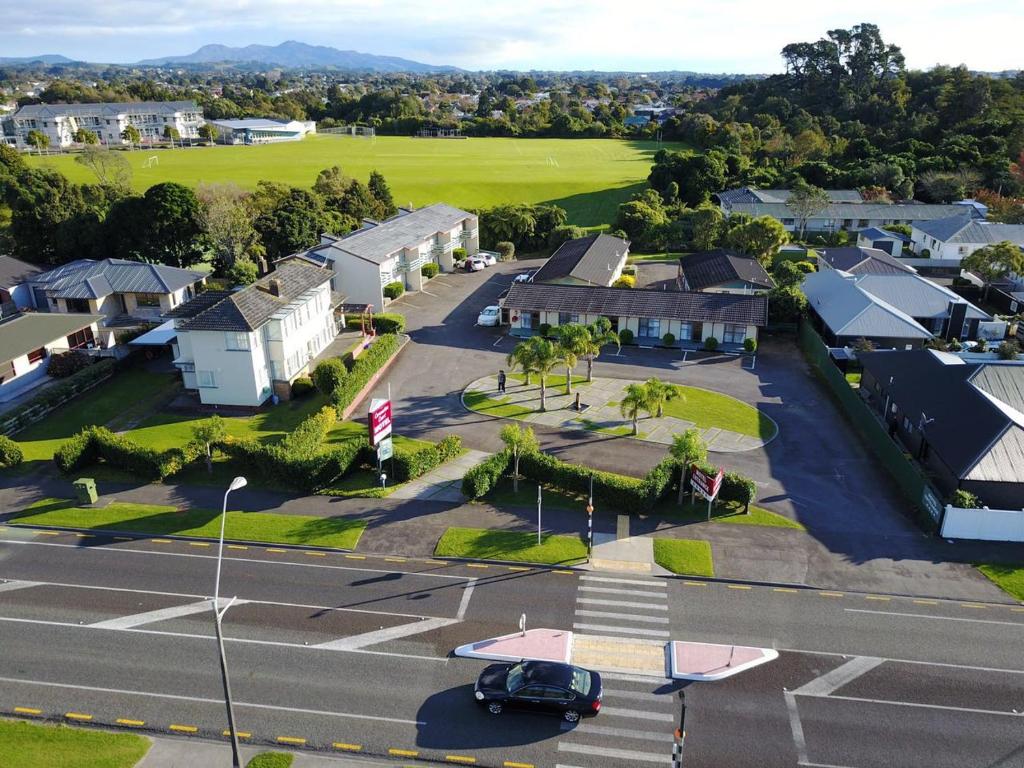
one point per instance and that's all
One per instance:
(337, 652)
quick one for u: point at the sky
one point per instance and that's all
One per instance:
(742, 36)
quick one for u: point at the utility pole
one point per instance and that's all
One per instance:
(590, 519)
(680, 735)
(218, 616)
(538, 514)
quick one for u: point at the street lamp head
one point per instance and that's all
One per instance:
(238, 482)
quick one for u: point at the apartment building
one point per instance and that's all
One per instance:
(60, 122)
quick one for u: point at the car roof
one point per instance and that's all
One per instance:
(547, 673)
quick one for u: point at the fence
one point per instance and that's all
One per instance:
(984, 524)
(914, 486)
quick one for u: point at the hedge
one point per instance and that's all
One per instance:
(385, 322)
(410, 464)
(481, 479)
(328, 375)
(363, 369)
(65, 364)
(394, 290)
(302, 386)
(93, 444)
(430, 269)
(736, 487)
(10, 452)
(21, 417)
(304, 472)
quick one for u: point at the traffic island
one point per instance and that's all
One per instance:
(706, 662)
(531, 645)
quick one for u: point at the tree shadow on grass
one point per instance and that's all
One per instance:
(313, 531)
(597, 208)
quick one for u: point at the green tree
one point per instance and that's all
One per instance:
(209, 132)
(995, 262)
(110, 168)
(131, 135)
(640, 219)
(382, 194)
(521, 357)
(37, 139)
(688, 448)
(761, 238)
(243, 272)
(328, 375)
(600, 335)
(659, 393)
(294, 225)
(84, 136)
(698, 176)
(543, 358)
(707, 225)
(171, 133)
(806, 201)
(173, 225)
(518, 441)
(635, 399)
(228, 216)
(209, 432)
(573, 343)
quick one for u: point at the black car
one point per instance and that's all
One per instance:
(541, 686)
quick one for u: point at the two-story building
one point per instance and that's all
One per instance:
(60, 122)
(956, 238)
(240, 348)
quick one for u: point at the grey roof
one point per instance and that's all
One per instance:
(106, 109)
(972, 431)
(876, 233)
(252, 123)
(857, 211)
(916, 295)
(248, 309)
(88, 279)
(377, 241)
(14, 272)
(26, 332)
(688, 306)
(956, 229)
(200, 303)
(857, 260)
(752, 195)
(710, 268)
(850, 311)
(590, 259)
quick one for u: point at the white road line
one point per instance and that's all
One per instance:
(383, 635)
(621, 603)
(624, 678)
(621, 630)
(203, 700)
(622, 733)
(613, 580)
(626, 616)
(625, 754)
(1019, 624)
(917, 705)
(615, 693)
(9, 586)
(838, 677)
(797, 728)
(467, 593)
(821, 765)
(640, 714)
(162, 614)
(629, 592)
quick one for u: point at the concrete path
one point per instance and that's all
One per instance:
(622, 552)
(443, 483)
(193, 753)
(600, 401)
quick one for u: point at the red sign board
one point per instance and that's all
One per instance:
(379, 417)
(706, 485)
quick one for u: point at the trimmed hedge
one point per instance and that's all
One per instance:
(394, 290)
(21, 417)
(66, 364)
(10, 452)
(737, 487)
(410, 464)
(481, 479)
(302, 386)
(710, 343)
(328, 375)
(430, 269)
(363, 369)
(626, 336)
(304, 472)
(94, 444)
(385, 322)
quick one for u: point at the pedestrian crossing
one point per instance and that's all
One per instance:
(622, 607)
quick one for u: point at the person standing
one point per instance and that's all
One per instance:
(501, 382)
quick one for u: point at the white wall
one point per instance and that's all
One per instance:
(240, 377)
(983, 524)
(358, 280)
(300, 336)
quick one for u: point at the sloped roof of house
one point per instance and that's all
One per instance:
(590, 259)
(956, 229)
(248, 309)
(687, 306)
(877, 233)
(720, 265)
(752, 195)
(14, 272)
(849, 310)
(105, 109)
(916, 295)
(856, 211)
(26, 332)
(857, 260)
(88, 279)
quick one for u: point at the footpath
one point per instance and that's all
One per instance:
(188, 753)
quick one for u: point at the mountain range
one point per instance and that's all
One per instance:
(46, 58)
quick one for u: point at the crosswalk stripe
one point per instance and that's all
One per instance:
(621, 603)
(614, 580)
(623, 733)
(630, 592)
(615, 693)
(625, 754)
(640, 714)
(626, 616)
(622, 630)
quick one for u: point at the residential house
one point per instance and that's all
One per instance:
(892, 243)
(239, 348)
(14, 277)
(858, 260)
(963, 421)
(723, 271)
(261, 131)
(901, 311)
(593, 260)
(114, 288)
(691, 317)
(28, 340)
(60, 122)
(394, 250)
(752, 195)
(957, 237)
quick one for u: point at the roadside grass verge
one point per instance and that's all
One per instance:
(511, 546)
(502, 495)
(1009, 578)
(729, 512)
(483, 403)
(713, 409)
(265, 527)
(271, 760)
(684, 556)
(32, 745)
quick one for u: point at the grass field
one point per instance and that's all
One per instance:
(684, 556)
(587, 177)
(712, 409)
(31, 745)
(511, 546)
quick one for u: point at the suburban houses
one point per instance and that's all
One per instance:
(261, 131)
(60, 122)
(892, 243)
(394, 250)
(241, 348)
(955, 238)
(593, 260)
(14, 278)
(723, 271)
(857, 260)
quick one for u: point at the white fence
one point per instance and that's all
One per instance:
(983, 524)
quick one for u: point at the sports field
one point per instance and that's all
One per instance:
(587, 177)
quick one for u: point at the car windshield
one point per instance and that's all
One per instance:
(515, 678)
(489, 311)
(580, 681)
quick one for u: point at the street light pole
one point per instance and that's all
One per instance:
(680, 734)
(590, 520)
(218, 615)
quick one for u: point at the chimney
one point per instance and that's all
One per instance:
(274, 287)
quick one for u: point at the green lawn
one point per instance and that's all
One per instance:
(1009, 578)
(271, 760)
(338, 532)
(730, 512)
(551, 497)
(713, 409)
(482, 403)
(34, 745)
(664, 257)
(684, 556)
(554, 381)
(619, 431)
(587, 177)
(512, 546)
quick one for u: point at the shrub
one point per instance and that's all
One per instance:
(750, 344)
(1008, 350)
(629, 269)
(506, 250)
(394, 290)
(565, 232)
(410, 464)
(482, 478)
(544, 329)
(925, 253)
(25, 414)
(67, 364)
(328, 375)
(964, 499)
(430, 269)
(710, 343)
(449, 447)
(955, 345)
(10, 452)
(363, 369)
(626, 281)
(305, 440)
(302, 386)
(736, 487)
(625, 336)
(389, 322)
(95, 443)
(981, 346)
(458, 254)
(669, 339)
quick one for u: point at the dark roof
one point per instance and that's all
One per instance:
(590, 259)
(709, 268)
(251, 307)
(687, 306)
(88, 279)
(200, 303)
(857, 260)
(965, 422)
(877, 233)
(14, 272)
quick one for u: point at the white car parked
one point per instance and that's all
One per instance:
(472, 264)
(524, 278)
(489, 315)
(488, 258)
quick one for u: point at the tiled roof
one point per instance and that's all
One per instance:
(709, 268)
(590, 259)
(87, 279)
(857, 260)
(688, 306)
(958, 230)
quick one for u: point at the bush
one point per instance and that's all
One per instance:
(710, 343)
(626, 281)
(394, 290)
(385, 322)
(736, 487)
(302, 386)
(750, 345)
(67, 364)
(458, 254)
(625, 336)
(10, 452)
(305, 440)
(981, 346)
(544, 329)
(565, 232)
(506, 250)
(925, 253)
(669, 339)
(363, 369)
(1008, 350)
(430, 269)
(93, 444)
(482, 478)
(25, 414)
(629, 269)
(964, 499)
(410, 464)
(328, 375)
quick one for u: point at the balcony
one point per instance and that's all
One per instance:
(410, 266)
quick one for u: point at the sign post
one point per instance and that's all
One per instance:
(706, 485)
(538, 514)
(590, 519)
(378, 418)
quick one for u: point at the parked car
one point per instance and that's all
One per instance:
(489, 315)
(524, 278)
(488, 258)
(474, 264)
(540, 686)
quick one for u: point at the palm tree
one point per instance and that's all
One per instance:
(573, 343)
(521, 357)
(660, 392)
(635, 400)
(544, 358)
(601, 334)
(688, 448)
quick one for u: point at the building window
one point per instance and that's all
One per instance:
(79, 339)
(147, 299)
(37, 355)
(862, 223)
(236, 341)
(205, 379)
(685, 331)
(788, 222)
(564, 318)
(734, 334)
(650, 327)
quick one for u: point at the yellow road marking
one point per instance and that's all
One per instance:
(348, 747)
(84, 535)
(77, 716)
(926, 602)
(199, 543)
(566, 573)
(241, 734)
(738, 586)
(290, 740)
(436, 562)
(460, 759)
(787, 590)
(183, 728)
(356, 557)
(1017, 610)
(972, 605)
(49, 533)
(394, 559)
(476, 565)
(273, 549)
(317, 554)
(831, 594)
(695, 583)
(403, 752)
(125, 721)
(236, 546)
(28, 711)
(160, 541)
(516, 568)
(877, 597)
(509, 764)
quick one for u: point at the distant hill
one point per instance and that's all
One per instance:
(293, 54)
(46, 58)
